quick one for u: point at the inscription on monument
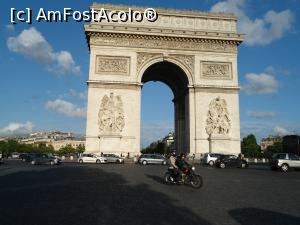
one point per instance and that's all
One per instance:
(111, 115)
(112, 65)
(216, 70)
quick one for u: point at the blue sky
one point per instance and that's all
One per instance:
(43, 82)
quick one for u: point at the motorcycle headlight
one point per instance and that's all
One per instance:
(193, 168)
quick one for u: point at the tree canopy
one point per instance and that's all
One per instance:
(249, 147)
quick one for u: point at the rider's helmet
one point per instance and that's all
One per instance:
(181, 156)
(173, 153)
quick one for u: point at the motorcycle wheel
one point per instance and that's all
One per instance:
(196, 181)
(167, 178)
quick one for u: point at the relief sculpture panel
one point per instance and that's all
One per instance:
(218, 121)
(112, 65)
(216, 70)
(111, 117)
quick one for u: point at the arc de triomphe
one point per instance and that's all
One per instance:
(194, 53)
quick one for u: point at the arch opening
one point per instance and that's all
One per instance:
(176, 79)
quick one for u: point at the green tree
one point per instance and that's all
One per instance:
(80, 149)
(3, 148)
(249, 147)
(272, 149)
(67, 150)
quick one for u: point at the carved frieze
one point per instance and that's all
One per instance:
(112, 65)
(111, 118)
(162, 42)
(218, 121)
(187, 60)
(216, 70)
(144, 57)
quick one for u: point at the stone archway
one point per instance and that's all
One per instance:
(194, 53)
(173, 76)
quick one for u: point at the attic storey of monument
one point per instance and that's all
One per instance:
(194, 53)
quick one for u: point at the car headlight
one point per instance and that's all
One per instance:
(193, 168)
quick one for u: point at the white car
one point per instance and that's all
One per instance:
(210, 158)
(91, 158)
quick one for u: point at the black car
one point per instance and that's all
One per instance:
(231, 161)
(27, 157)
(36, 159)
(23, 156)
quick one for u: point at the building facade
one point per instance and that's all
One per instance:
(56, 138)
(269, 141)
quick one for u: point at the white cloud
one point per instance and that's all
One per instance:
(260, 31)
(261, 114)
(17, 128)
(80, 95)
(260, 84)
(32, 44)
(66, 108)
(10, 27)
(64, 63)
(281, 130)
(278, 71)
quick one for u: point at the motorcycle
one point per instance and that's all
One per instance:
(188, 177)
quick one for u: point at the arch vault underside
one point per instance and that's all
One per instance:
(194, 53)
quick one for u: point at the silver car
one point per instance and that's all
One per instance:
(210, 158)
(152, 159)
(284, 161)
(91, 158)
(112, 158)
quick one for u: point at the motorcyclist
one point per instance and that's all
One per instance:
(181, 164)
(175, 168)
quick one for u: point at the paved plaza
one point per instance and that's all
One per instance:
(134, 194)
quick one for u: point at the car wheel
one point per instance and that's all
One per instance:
(118, 161)
(222, 165)
(164, 163)
(284, 167)
(52, 163)
(211, 163)
(80, 161)
(98, 161)
(144, 162)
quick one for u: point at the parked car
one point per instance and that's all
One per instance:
(91, 158)
(14, 155)
(231, 161)
(285, 161)
(152, 159)
(210, 158)
(1, 159)
(112, 158)
(36, 159)
(23, 156)
(27, 157)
